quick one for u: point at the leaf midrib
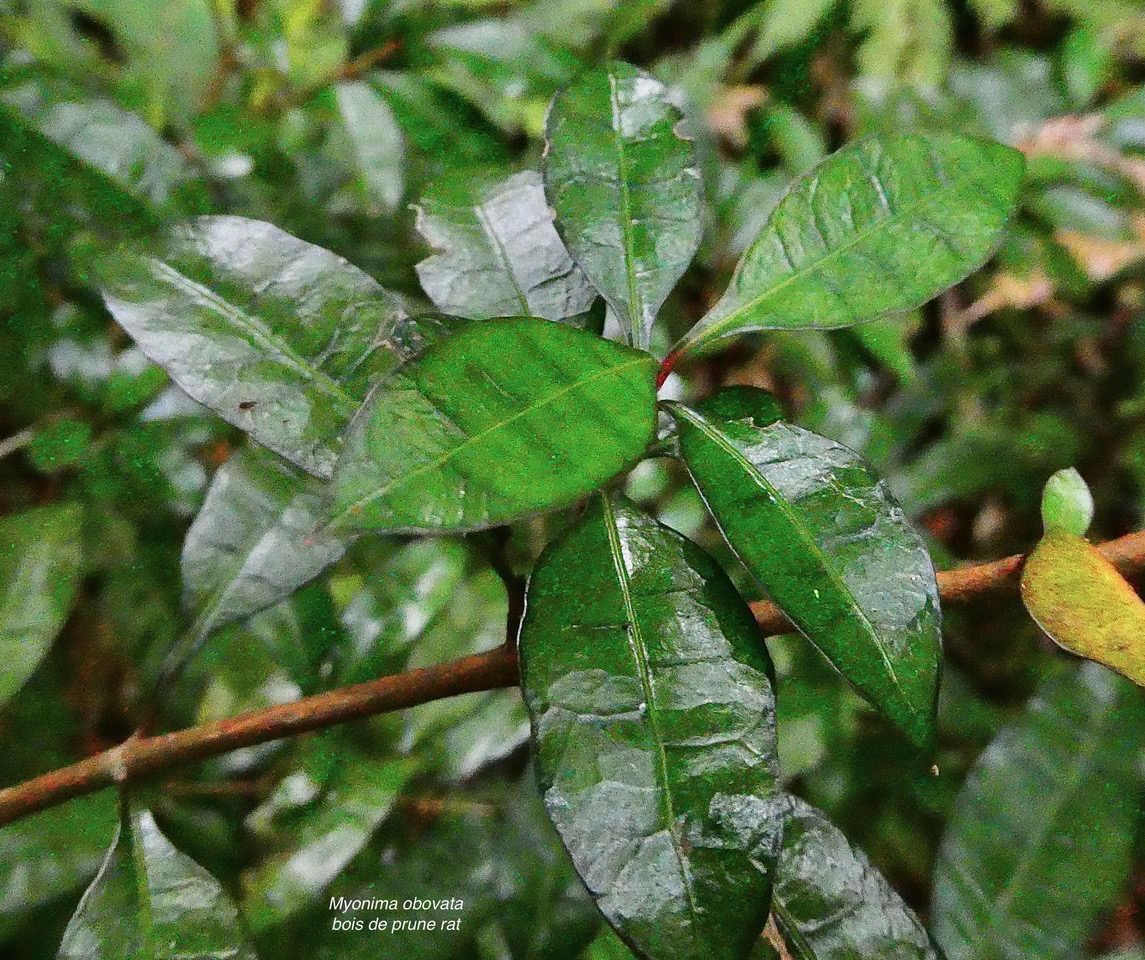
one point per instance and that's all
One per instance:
(718, 437)
(637, 321)
(636, 645)
(258, 332)
(439, 462)
(1032, 851)
(502, 255)
(716, 330)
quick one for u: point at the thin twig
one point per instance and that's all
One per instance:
(143, 757)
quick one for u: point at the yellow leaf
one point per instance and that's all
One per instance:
(1080, 600)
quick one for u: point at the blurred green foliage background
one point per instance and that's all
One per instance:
(329, 118)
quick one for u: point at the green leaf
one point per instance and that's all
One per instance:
(626, 188)
(250, 545)
(40, 566)
(505, 419)
(1085, 606)
(356, 797)
(497, 253)
(653, 711)
(830, 903)
(1040, 840)
(151, 902)
(1067, 504)
(377, 145)
(882, 225)
(138, 172)
(827, 541)
(77, 834)
(278, 337)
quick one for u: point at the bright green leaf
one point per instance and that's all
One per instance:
(1080, 600)
(653, 711)
(40, 566)
(497, 253)
(280, 338)
(1067, 504)
(508, 418)
(151, 902)
(830, 903)
(1040, 840)
(822, 534)
(626, 189)
(882, 225)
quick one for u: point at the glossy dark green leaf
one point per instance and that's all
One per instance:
(151, 902)
(830, 903)
(1040, 840)
(497, 253)
(505, 419)
(279, 337)
(653, 712)
(626, 188)
(884, 224)
(41, 562)
(823, 535)
(250, 546)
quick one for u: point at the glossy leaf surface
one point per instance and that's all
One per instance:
(1062, 786)
(653, 713)
(823, 535)
(830, 903)
(884, 224)
(626, 189)
(497, 252)
(250, 545)
(40, 565)
(151, 902)
(508, 418)
(279, 337)
(1080, 600)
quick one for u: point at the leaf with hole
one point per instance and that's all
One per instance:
(151, 902)
(497, 253)
(41, 561)
(626, 188)
(653, 712)
(827, 541)
(1040, 841)
(1084, 605)
(883, 225)
(279, 337)
(506, 419)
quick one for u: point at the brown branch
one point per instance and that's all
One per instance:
(143, 757)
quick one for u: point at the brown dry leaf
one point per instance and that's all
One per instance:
(1006, 291)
